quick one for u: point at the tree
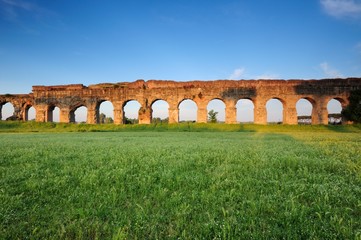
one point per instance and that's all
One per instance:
(130, 120)
(212, 116)
(108, 120)
(159, 120)
(353, 111)
(102, 118)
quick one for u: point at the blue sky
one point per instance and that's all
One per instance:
(54, 42)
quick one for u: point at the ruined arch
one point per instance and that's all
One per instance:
(7, 110)
(334, 109)
(79, 114)
(217, 105)
(53, 113)
(305, 110)
(338, 103)
(105, 108)
(160, 110)
(187, 110)
(131, 110)
(275, 110)
(29, 113)
(245, 110)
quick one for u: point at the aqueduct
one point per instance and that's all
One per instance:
(70, 97)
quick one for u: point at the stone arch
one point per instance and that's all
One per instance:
(131, 111)
(79, 114)
(217, 105)
(7, 111)
(275, 110)
(29, 113)
(67, 96)
(334, 109)
(187, 110)
(53, 113)
(160, 110)
(340, 103)
(105, 107)
(305, 110)
(245, 110)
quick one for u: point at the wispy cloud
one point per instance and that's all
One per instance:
(268, 76)
(240, 73)
(20, 4)
(329, 71)
(342, 8)
(17, 10)
(29, 16)
(237, 73)
(10, 9)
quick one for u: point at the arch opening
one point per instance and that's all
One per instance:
(131, 112)
(245, 111)
(105, 113)
(304, 111)
(219, 107)
(79, 115)
(30, 113)
(160, 113)
(187, 111)
(53, 114)
(334, 108)
(274, 111)
(7, 111)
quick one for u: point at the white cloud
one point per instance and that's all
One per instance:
(237, 73)
(342, 8)
(328, 71)
(268, 76)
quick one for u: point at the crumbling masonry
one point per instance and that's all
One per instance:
(70, 97)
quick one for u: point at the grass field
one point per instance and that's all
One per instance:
(184, 181)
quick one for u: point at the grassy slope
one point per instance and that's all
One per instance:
(296, 184)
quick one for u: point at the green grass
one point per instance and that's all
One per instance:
(254, 183)
(31, 126)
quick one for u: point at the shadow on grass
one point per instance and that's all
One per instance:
(343, 128)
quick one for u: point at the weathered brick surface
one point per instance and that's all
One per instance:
(69, 97)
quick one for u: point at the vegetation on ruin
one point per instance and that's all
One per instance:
(261, 183)
(353, 111)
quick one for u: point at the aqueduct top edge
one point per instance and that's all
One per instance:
(150, 84)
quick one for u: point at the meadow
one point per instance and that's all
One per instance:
(185, 181)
